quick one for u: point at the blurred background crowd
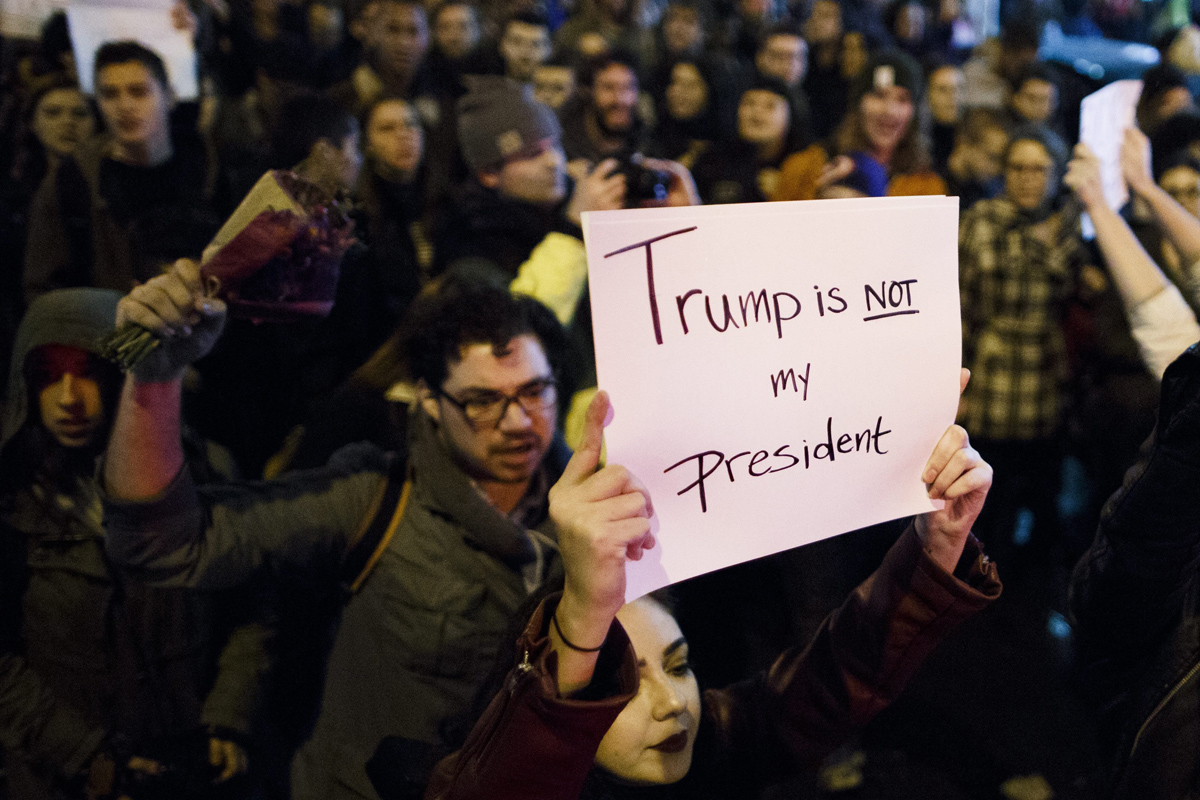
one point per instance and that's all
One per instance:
(467, 136)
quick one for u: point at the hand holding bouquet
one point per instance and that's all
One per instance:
(276, 258)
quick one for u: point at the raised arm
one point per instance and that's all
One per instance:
(576, 670)
(144, 450)
(168, 532)
(1181, 228)
(1161, 321)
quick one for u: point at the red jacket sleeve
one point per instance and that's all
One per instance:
(530, 742)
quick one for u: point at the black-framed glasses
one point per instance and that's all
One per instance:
(488, 408)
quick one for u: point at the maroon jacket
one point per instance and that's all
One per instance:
(531, 743)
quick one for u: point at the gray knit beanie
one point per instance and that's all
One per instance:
(498, 118)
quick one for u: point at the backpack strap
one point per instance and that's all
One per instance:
(378, 528)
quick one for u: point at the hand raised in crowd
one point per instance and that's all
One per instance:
(957, 474)
(603, 520)
(173, 306)
(1135, 161)
(838, 168)
(601, 189)
(1083, 176)
(227, 757)
(682, 189)
(183, 19)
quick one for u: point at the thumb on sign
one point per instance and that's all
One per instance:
(603, 518)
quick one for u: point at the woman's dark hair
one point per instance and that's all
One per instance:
(1156, 82)
(1180, 159)
(55, 40)
(718, 119)
(30, 162)
(1174, 136)
(912, 152)
(1055, 147)
(797, 136)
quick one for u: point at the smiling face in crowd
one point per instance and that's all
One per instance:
(553, 84)
(614, 98)
(886, 116)
(651, 740)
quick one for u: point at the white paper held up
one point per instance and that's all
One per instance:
(93, 25)
(780, 372)
(1103, 117)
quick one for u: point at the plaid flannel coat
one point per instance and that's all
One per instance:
(1016, 279)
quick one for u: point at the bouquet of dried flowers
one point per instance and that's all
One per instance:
(276, 258)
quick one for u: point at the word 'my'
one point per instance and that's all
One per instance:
(780, 380)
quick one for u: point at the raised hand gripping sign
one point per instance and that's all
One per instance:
(780, 372)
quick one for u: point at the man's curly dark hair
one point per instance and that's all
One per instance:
(465, 310)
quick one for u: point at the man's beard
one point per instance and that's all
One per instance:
(602, 124)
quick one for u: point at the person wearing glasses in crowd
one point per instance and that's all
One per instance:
(434, 553)
(1021, 263)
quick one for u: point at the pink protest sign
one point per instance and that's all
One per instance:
(780, 372)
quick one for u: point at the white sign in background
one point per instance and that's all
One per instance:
(814, 410)
(148, 22)
(1103, 117)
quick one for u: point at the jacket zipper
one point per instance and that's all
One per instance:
(523, 669)
(1158, 708)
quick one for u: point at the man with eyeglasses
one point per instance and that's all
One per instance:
(432, 554)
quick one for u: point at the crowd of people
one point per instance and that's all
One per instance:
(353, 556)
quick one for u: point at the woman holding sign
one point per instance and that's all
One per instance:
(603, 697)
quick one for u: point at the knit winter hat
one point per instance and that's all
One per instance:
(498, 118)
(886, 69)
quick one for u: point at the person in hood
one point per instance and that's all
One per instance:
(103, 682)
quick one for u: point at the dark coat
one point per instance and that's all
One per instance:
(84, 653)
(415, 641)
(1135, 596)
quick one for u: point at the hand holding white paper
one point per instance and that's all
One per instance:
(781, 371)
(1103, 117)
